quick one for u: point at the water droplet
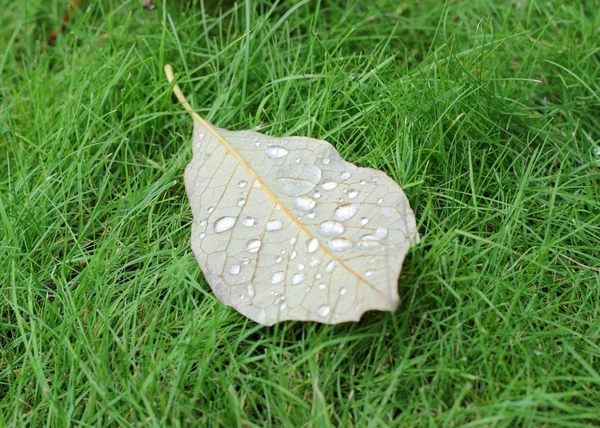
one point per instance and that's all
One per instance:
(369, 273)
(345, 211)
(293, 255)
(242, 183)
(343, 291)
(298, 179)
(261, 315)
(310, 215)
(380, 201)
(304, 203)
(316, 195)
(596, 155)
(255, 139)
(300, 266)
(331, 228)
(245, 260)
(241, 202)
(273, 225)
(201, 136)
(257, 184)
(325, 161)
(322, 286)
(202, 222)
(381, 232)
(297, 278)
(345, 175)
(282, 304)
(367, 245)
(364, 221)
(277, 259)
(277, 207)
(224, 223)
(276, 152)
(312, 245)
(210, 209)
(330, 266)
(293, 240)
(323, 311)
(314, 262)
(253, 245)
(242, 296)
(202, 235)
(318, 276)
(257, 143)
(352, 193)
(248, 221)
(373, 179)
(329, 185)
(250, 289)
(277, 277)
(363, 182)
(340, 244)
(387, 211)
(234, 269)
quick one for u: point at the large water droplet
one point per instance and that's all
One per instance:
(298, 179)
(329, 185)
(340, 244)
(323, 311)
(253, 245)
(305, 203)
(345, 211)
(276, 152)
(352, 193)
(297, 278)
(273, 225)
(329, 267)
(331, 228)
(312, 245)
(242, 183)
(234, 269)
(248, 221)
(224, 223)
(277, 277)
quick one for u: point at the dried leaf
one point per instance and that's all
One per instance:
(285, 229)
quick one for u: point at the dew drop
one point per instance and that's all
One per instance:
(310, 215)
(340, 244)
(381, 232)
(318, 276)
(325, 161)
(201, 136)
(345, 175)
(300, 266)
(329, 185)
(293, 255)
(253, 245)
(345, 211)
(202, 235)
(331, 228)
(248, 221)
(330, 266)
(352, 193)
(202, 222)
(282, 304)
(245, 260)
(343, 291)
(250, 289)
(298, 179)
(369, 273)
(276, 152)
(223, 224)
(273, 225)
(363, 182)
(364, 221)
(367, 245)
(210, 209)
(373, 179)
(314, 262)
(312, 245)
(297, 278)
(304, 203)
(261, 315)
(242, 183)
(316, 195)
(257, 143)
(277, 277)
(277, 259)
(234, 269)
(241, 202)
(380, 201)
(323, 311)
(322, 286)
(387, 211)
(293, 240)
(257, 184)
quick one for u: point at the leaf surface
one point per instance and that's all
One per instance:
(285, 229)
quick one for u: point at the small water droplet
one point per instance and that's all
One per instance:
(273, 225)
(210, 209)
(234, 269)
(323, 311)
(282, 304)
(293, 240)
(257, 143)
(245, 260)
(297, 160)
(242, 183)
(322, 286)
(277, 259)
(297, 278)
(300, 266)
(310, 215)
(250, 289)
(277, 277)
(369, 273)
(343, 291)
(248, 221)
(373, 179)
(330, 266)
(202, 235)
(255, 139)
(257, 184)
(304, 203)
(345, 211)
(318, 276)
(253, 245)
(276, 152)
(387, 211)
(201, 136)
(223, 224)
(293, 255)
(381, 232)
(261, 315)
(198, 145)
(312, 245)
(340, 244)
(331, 228)
(316, 195)
(363, 182)
(380, 201)
(325, 161)
(203, 222)
(241, 202)
(352, 193)
(314, 262)
(364, 221)
(345, 175)
(329, 185)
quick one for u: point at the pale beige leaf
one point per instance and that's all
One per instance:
(285, 229)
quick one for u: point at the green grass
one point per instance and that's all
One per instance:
(486, 112)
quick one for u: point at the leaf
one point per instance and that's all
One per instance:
(285, 229)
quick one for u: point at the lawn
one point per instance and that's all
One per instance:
(486, 112)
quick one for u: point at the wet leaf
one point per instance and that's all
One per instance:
(285, 229)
